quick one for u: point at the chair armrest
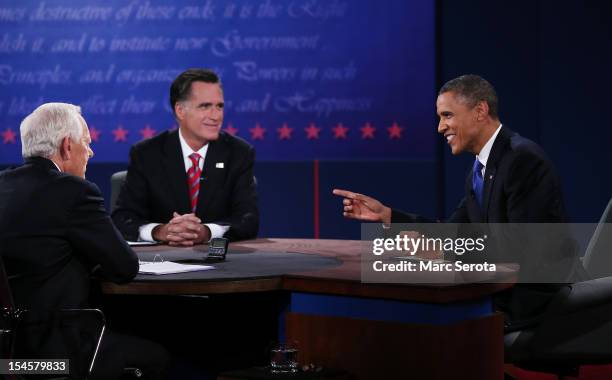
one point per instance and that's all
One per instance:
(582, 295)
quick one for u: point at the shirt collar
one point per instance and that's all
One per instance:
(483, 156)
(187, 151)
(56, 165)
(38, 160)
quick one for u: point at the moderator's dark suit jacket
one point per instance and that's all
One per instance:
(156, 186)
(520, 186)
(54, 232)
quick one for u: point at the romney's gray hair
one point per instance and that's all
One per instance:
(43, 130)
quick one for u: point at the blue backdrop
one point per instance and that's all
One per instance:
(303, 79)
(548, 60)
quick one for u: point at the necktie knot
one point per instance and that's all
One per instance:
(195, 159)
(478, 168)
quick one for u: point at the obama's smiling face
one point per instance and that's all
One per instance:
(459, 123)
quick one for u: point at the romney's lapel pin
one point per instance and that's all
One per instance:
(219, 165)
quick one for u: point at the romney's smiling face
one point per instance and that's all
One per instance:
(200, 116)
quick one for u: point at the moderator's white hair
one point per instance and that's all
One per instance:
(43, 130)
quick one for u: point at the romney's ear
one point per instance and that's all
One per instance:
(179, 110)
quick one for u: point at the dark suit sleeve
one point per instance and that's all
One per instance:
(243, 216)
(458, 216)
(133, 208)
(94, 237)
(398, 216)
(533, 190)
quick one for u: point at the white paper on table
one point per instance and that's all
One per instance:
(169, 267)
(141, 243)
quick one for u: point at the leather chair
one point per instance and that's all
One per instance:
(80, 332)
(117, 181)
(598, 256)
(576, 328)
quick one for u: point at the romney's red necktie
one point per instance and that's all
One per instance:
(193, 180)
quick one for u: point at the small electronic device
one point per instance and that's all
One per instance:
(217, 249)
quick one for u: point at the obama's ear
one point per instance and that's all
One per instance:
(482, 110)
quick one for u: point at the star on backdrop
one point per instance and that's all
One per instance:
(147, 132)
(9, 137)
(284, 133)
(231, 130)
(94, 133)
(120, 133)
(312, 132)
(257, 133)
(340, 131)
(367, 131)
(395, 131)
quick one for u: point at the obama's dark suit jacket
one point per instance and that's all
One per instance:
(520, 186)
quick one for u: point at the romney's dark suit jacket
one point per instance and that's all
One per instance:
(520, 186)
(156, 186)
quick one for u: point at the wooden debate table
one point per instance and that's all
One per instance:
(375, 331)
